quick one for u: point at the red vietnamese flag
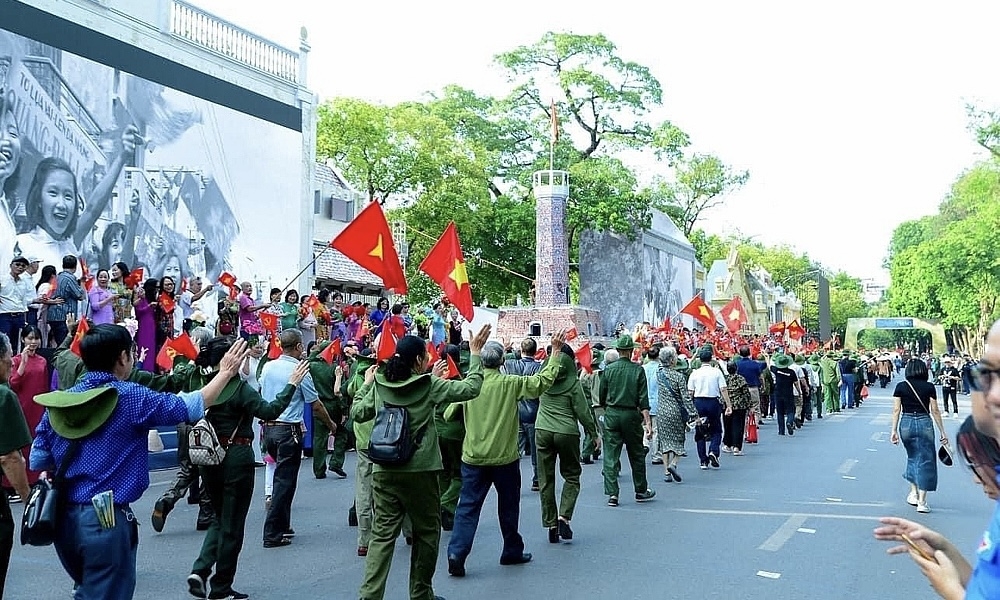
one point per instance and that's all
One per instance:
(331, 352)
(795, 331)
(585, 356)
(778, 328)
(165, 357)
(386, 344)
(734, 315)
(367, 241)
(433, 353)
(701, 312)
(453, 371)
(88, 279)
(668, 325)
(541, 355)
(446, 266)
(166, 302)
(135, 278)
(571, 334)
(313, 302)
(269, 321)
(184, 346)
(81, 329)
(227, 279)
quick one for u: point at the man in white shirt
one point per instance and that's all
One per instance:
(16, 292)
(190, 296)
(708, 389)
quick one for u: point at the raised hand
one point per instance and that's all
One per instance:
(558, 341)
(230, 363)
(440, 369)
(479, 340)
(300, 372)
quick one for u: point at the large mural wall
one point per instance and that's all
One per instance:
(647, 279)
(106, 165)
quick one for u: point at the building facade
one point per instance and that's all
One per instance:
(765, 303)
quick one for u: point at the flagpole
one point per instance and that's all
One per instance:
(299, 274)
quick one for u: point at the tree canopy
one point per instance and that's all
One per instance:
(461, 155)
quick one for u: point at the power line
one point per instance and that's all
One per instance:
(478, 258)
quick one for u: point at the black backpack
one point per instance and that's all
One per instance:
(391, 443)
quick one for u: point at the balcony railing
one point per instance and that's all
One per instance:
(208, 31)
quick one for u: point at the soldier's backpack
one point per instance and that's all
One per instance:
(392, 443)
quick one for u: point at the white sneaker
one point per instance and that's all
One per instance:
(923, 508)
(911, 498)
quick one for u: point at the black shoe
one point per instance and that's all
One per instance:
(713, 460)
(232, 595)
(352, 517)
(645, 496)
(613, 501)
(447, 520)
(194, 499)
(320, 475)
(516, 560)
(657, 461)
(597, 456)
(673, 472)
(340, 473)
(196, 586)
(289, 534)
(203, 525)
(791, 430)
(161, 509)
(586, 460)
(409, 540)
(456, 568)
(564, 531)
(553, 535)
(279, 544)
(534, 486)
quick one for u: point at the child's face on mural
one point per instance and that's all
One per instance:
(10, 145)
(58, 203)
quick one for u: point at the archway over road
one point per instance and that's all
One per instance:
(855, 326)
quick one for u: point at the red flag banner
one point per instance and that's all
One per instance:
(453, 371)
(585, 356)
(331, 352)
(386, 345)
(433, 353)
(184, 346)
(165, 357)
(778, 328)
(167, 303)
(135, 278)
(701, 312)
(795, 331)
(734, 315)
(445, 264)
(274, 348)
(540, 355)
(228, 279)
(367, 241)
(81, 329)
(269, 321)
(88, 279)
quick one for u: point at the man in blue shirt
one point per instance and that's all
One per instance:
(69, 291)
(651, 366)
(751, 370)
(283, 436)
(106, 435)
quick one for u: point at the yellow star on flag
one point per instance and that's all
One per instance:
(377, 251)
(459, 275)
(703, 310)
(734, 315)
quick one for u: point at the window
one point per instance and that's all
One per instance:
(720, 285)
(535, 329)
(316, 202)
(590, 330)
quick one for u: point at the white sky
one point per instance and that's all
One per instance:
(850, 117)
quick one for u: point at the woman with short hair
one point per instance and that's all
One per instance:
(914, 413)
(673, 412)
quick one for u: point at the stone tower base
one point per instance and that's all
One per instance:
(518, 322)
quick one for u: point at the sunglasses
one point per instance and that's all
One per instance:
(982, 378)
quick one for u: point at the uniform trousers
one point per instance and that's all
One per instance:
(564, 448)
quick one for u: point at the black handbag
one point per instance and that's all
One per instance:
(42, 508)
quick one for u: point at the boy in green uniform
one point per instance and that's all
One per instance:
(328, 381)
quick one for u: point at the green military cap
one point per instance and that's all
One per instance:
(75, 415)
(800, 359)
(682, 363)
(782, 360)
(813, 359)
(625, 342)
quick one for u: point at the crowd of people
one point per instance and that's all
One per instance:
(473, 407)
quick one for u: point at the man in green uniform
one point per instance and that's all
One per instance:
(591, 383)
(14, 436)
(328, 380)
(829, 374)
(626, 418)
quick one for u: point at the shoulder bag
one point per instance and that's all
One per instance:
(205, 449)
(944, 451)
(43, 506)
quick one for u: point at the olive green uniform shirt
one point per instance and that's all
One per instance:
(623, 385)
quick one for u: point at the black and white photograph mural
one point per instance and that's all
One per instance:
(669, 284)
(108, 166)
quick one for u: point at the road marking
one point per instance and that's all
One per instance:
(764, 513)
(783, 534)
(840, 502)
(848, 477)
(768, 574)
(880, 436)
(847, 465)
(735, 499)
(872, 449)
(806, 530)
(834, 500)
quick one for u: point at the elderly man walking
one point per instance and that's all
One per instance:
(625, 399)
(490, 454)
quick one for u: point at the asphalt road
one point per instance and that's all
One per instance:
(790, 519)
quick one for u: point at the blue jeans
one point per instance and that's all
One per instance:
(711, 410)
(847, 391)
(785, 410)
(916, 431)
(528, 434)
(12, 324)
(476, 482)
(101, 562)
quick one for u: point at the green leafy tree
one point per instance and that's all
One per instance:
(700, 183)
